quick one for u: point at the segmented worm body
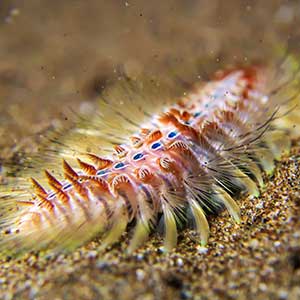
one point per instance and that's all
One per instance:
(194, 157)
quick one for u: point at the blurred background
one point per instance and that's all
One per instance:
(57, 54)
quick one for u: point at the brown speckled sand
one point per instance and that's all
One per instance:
(58, 55)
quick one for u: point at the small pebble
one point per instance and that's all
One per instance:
(283, 294)
(277, 244)
(140, 274)
(254, 244)
(179, 262)
(202, 250)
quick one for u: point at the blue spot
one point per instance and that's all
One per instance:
(155, 146)
(197, 114)
(51, 195)
(119, 165)
(206, 105)
(172, 134)
(138, 156)
(67, 186)
(101, 172)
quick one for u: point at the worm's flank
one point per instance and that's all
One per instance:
(160, 161)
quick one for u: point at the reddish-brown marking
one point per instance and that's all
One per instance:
(168, 165)
(89, 169)
(153, 136)
(62, 196)
(121, 182)
(101, 183)
(43, 202)
(144, 174)
(185, 116)
(145, 131)
(136, 141)
(39, 190)
(120, 151)
(167, 118)
(69, 170)
(100, 162)
(79, 188)
(175, 112)
(53, 182)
